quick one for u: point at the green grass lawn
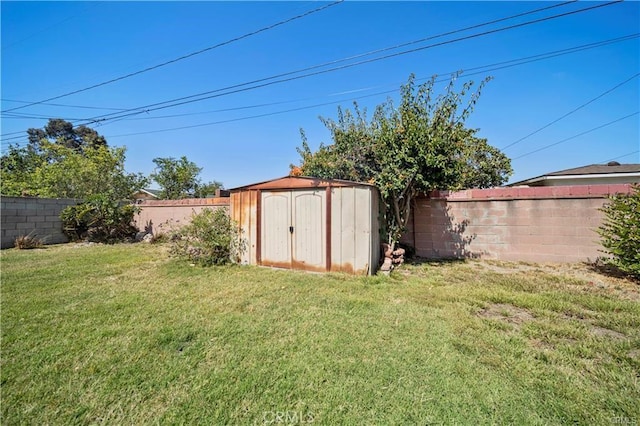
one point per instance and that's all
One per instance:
(126, 335)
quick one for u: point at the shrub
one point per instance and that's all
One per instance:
(99, 219)
(620, 231)
(25, 242)
(211, 238)
(159, 238)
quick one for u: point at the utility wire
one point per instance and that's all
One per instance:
(486, 68)
(113, 80)
(482, 69)
(575, 136)
(325, 103)
(60, 105)
(512, 62)
(572, 111)
(327, 63)
(168, 104)
(319, 65)
(343, 59)
(264, 81)
(620, 156)
(33, 117)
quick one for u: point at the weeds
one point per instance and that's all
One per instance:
(27, 242)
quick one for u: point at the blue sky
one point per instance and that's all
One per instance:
(53, 48)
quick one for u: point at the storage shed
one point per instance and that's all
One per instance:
(309, 224)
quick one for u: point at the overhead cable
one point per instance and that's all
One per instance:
(573, 110)
(576, 136)
(198, 52)
(483, 69)
(386, 92)
(237, 88)
(621, 156)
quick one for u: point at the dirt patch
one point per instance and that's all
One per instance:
(581, 277)
(584, 315)
(635, 354)
(587, 318)
(505, 312)
(541, 344)
(605, 332)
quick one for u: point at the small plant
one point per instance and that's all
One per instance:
(27, 242)
(211, 238)
(159, 238)
(99, 219)
(620, 231)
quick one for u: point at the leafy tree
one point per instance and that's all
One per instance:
(16, 171)
(76, 164)
(177, 178)
(101, 219)
(63, 133)
(420, 146)
(208, 189)
(620, 231)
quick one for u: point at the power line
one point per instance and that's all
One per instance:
(575, 136)
(490, 67)
(481, 70)
(486, 68)
(60, 105)
(113, 80)
(315, 66)
(174, 102)
(620, 156)
(264, 81)
(327, 63)
(105, 117)
(511, 64)
(572, 111)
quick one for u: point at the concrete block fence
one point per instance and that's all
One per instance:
(162, 215)
(541, 224)
(36, 216)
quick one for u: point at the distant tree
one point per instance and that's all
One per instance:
(63, 133)
(208, 189)
(177, 178)
(62, 162)
(421, 145)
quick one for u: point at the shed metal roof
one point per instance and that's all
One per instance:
(300, 182)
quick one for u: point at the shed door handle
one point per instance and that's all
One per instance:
(291, 229)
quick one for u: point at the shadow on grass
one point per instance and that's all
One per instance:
(419, 261)
(601, 266)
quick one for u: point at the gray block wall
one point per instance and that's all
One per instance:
(36, 216)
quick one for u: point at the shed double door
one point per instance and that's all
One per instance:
(293, 229)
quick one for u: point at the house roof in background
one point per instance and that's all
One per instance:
(152, 192)
(601, 170)
(598, 169)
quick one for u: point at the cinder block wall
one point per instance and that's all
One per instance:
(543, 224)
(162, 215)
(36, 216)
